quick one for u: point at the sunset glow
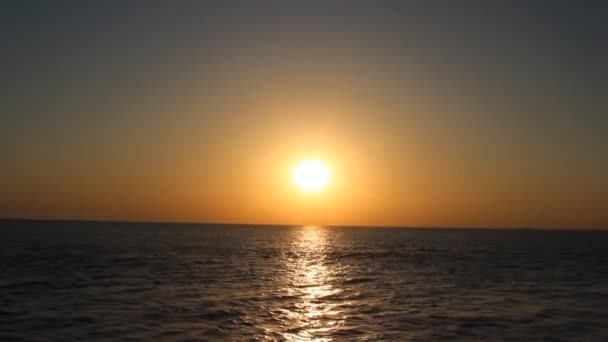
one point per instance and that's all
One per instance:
(395, 114)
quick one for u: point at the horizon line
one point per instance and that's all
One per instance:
(159, 222)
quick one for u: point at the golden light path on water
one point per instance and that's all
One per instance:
(313, 316)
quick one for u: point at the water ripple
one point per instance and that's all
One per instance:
(92, 281)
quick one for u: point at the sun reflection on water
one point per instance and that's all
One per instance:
(314, 314)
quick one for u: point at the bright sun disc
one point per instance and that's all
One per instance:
(311, 175)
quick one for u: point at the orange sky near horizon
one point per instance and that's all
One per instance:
(397, 177)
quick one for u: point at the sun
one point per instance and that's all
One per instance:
(311, 175)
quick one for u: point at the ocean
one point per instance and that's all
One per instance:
(65, 281)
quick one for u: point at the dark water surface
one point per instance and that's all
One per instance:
(113, 281)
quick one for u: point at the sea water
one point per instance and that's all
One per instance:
(130, 281)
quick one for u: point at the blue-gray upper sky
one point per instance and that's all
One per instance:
(494, 104)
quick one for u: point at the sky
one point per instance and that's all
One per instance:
(428, 113)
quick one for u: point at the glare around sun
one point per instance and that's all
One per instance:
(311, 175)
